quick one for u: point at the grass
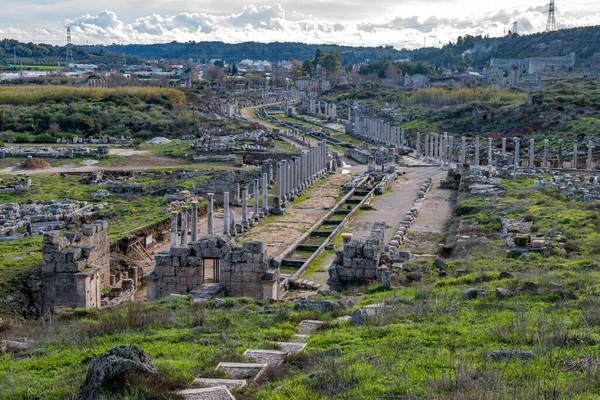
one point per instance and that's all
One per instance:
(18, 95)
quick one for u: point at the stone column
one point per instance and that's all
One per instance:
(531, 153)
(265, 193)
(490, 161)
(209, 212)
(245, 206)
(590, 160)
(560, 154)
(194, 221)
(402, 142)
(173, 228)
(426, 145)
(256, 196)
(445, 148)
(476, 163)
(437, 147)
(503, 148)
(184, 225)
(463, 151)
(418, 146)
(516, 158)
(226, 213)
(574, 162)
(545, 153)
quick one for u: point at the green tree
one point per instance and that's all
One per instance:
(234, 69)
(468, 59)
(332, 62)
(307, 66)
(297, 70)
(318, 57)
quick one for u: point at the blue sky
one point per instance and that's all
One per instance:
(399, 23)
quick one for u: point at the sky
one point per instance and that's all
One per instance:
(399, 23)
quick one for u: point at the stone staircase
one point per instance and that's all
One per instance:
(241, 374)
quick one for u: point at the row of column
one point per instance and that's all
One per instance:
(297, 174)
(379, 131)
(184, 224)
(440, 147)
(329, 110)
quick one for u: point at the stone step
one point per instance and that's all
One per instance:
(236, 370)
(310, 284)
(300, 338)
(273, 358)
(213, 393)
(231, 384)
(317, 286)
(308, 326)
(291, 347)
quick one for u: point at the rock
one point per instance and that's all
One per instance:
(349, 303)
(414, 277)
(506, 275)
(112, 365)
(530, 287)
(460, 272)
(439, 263)
(502, 293)
(359, 317)
(472, 293)
(317, 305)
(555, 286)
(506, 355)
(218, 303)
(12, 346)
(385, 278)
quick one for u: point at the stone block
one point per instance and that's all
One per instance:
(163, 259)
(180, 251)
(165, 270)
(176, 261)
(253, 247)
(368, 251)
(349, 251)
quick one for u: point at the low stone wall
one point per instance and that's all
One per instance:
(357, 155)
(359, 259)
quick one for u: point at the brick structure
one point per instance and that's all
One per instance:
(359, 259)
(75, 267)
(243, 271)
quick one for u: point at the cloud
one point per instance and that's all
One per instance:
(269, 23)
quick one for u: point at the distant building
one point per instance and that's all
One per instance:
(535, 65)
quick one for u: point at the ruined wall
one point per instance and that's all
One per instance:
(243, 270)
(359, 259)
(357, 155)
(75, 267)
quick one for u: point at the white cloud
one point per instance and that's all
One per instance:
(269, 23)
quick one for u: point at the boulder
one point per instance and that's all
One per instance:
(112, 365)
(472, 293)
(502, 293)
(439, 263)
(506, 275)
(359, 317)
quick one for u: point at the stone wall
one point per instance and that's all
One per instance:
(357, 155)
(75, 267)
(359, 259)
(243, 270)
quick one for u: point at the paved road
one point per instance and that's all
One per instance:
(393, 205)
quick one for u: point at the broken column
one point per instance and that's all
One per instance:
(450, 147)
(173, 228)
(503, 148)
(209, 213)
(476, 163)
(463, 151)
(418, 146)
(574, 162)
(226, 213)
(194, 221)
(184, 225)
(516, 157)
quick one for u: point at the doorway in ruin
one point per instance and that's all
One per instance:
(210, 270)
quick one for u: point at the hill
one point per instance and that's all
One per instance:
(585, 42)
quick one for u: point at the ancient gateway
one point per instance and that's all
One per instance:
(213, 265)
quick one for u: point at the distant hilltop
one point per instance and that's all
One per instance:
(583, 42)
